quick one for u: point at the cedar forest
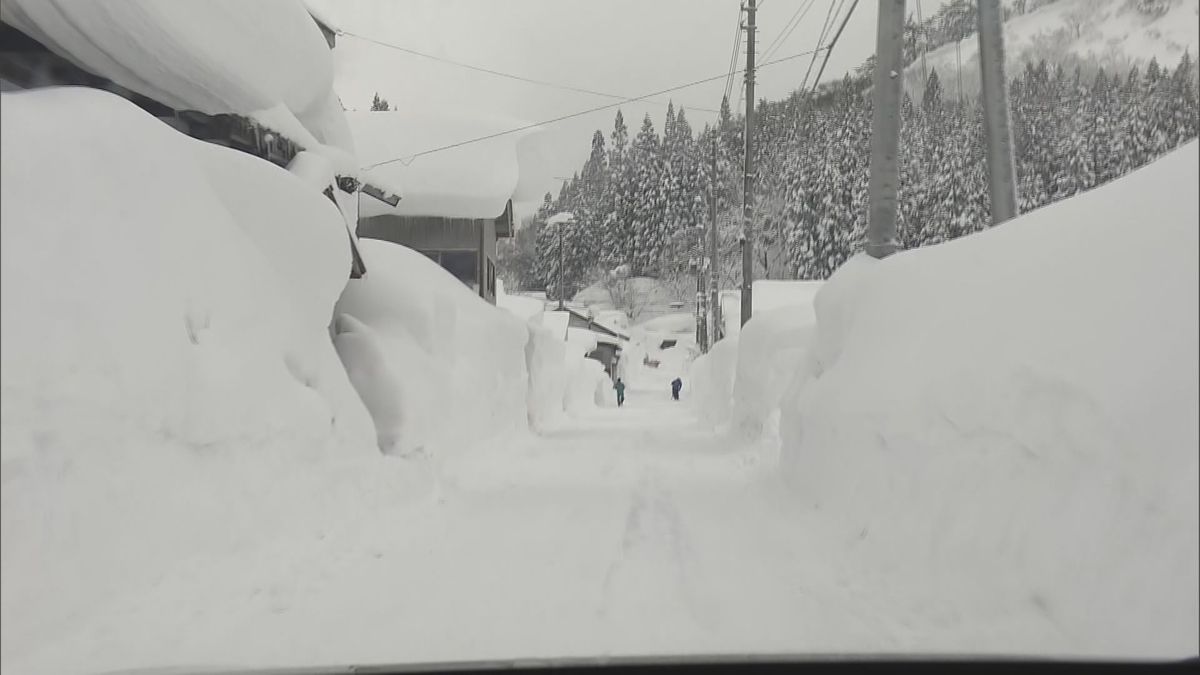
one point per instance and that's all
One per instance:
(641, 197)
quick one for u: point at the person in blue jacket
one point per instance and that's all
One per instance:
(676, 385)
(620, 387)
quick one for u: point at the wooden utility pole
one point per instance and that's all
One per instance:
(997, 123)
(885, 130)
(748, 189)
(714, 270)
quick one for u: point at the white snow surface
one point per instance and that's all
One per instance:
(561, 378)
(1008, 422)
(455, 362)
(470, 181)
(990, 448)
(265, 59)
(741, 382)
(170, 391)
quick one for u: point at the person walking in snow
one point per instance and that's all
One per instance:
(676, 385)
(620, 387)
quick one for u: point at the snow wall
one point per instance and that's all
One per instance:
(562, 380)
(739, 384)
(1010, 420)
(169, 385)
(438, 366)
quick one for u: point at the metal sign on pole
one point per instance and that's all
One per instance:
(997, 123)
(885, 130)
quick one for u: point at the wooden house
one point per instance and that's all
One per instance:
(465, 247)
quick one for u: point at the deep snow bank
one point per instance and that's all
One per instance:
(169, 385)
(1007, 423)
(741, 381)
(454, 363)
(711, 383)
(561, 377)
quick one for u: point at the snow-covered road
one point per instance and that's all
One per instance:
(627, 532)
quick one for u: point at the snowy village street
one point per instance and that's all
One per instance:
(628, 532)
(375, 334)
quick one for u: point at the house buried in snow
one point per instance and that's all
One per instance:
(240, 91)
(457, 201)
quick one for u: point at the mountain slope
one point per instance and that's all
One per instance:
(1112, 34)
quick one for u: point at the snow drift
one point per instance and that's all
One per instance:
(455, 363)
(712, 378)
(743, 378)
(169, 385)
(561, 377)
(1007, 423)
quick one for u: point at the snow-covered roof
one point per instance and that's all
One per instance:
(322, 13)
(476, 180)
(265, 59)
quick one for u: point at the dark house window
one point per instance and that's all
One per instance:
(491, 280)
(464, 265)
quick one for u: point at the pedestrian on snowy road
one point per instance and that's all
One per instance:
(676, 385)
(620, 387)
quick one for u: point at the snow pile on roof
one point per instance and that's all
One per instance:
(454, 363)
(470, 181)
(581, 341)
(170, 390)
(265, 59)
(1008, 423)
(322, 12)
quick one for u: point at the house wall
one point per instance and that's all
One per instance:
(607, 355)
(423, 233)
(431, 235)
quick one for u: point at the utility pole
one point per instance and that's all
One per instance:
(713, 268)
(748, 189)
(701, 310)
(997, 123)
(560, 221)
(560, 266)
(885, 130)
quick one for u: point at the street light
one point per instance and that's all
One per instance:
(559, 220)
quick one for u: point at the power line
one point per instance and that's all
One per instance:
(833, 42)
(824, 30)
(498, 73)
(406, 160)
(737, 46)
(788, 29)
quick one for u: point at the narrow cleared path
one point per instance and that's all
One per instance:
(628, 532)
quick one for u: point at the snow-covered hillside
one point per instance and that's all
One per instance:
(1108, 33)
(1009, 420)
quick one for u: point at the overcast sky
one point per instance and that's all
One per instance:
(622, 47)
